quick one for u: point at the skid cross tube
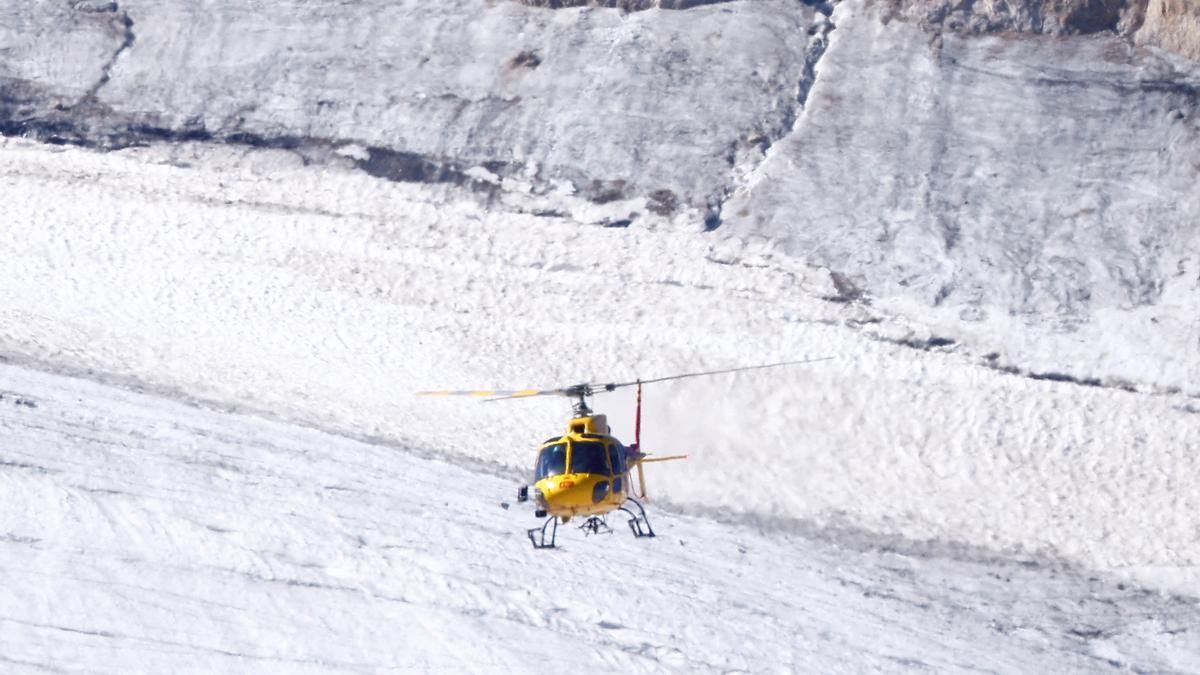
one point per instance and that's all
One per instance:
(595, 525)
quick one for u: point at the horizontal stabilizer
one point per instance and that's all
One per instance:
(668, 458)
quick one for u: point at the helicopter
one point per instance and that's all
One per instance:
(587, 471)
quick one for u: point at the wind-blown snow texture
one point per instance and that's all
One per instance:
(332, 296)
(139, 534)
(314, 211)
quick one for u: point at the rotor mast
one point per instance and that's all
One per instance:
(581, 392)
(580, 407)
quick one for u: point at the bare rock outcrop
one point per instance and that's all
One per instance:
(1056, 17)
(1173, 25)
(626, 5)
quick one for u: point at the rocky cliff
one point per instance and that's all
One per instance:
(658, 105)
(1172, 25)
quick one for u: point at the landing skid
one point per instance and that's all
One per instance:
(537, 536)
(638, 522)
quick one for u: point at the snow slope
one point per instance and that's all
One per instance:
(329, 297)
(1032, 197)
(139, 534)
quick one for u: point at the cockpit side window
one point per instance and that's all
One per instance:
(589, 457)
(616, 458)
(552, 461)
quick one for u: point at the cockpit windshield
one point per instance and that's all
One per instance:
(552, 461)
(589, 457)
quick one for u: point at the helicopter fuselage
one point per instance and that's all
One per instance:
(587, 471)
(584, 472)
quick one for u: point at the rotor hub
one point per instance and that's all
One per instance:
(580, 407)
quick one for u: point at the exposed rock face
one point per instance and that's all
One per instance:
(611, 105)
(37, 56)
(1173, 25)
(1056, 17)
(626, 5)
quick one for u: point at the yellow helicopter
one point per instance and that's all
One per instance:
(587, 471)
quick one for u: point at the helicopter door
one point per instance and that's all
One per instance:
(591, 457)
(616, 460)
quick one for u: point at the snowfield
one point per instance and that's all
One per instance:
(141, 534)
(329, 298)
(1033, 197)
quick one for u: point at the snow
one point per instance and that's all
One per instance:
(143, 534)
(211, 457)
(1032, 197)
(329, 297)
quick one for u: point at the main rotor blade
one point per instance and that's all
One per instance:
(610, 387)
(491, 393)
(589, 389)
(504, 396)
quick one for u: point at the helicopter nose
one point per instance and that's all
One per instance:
(557, 488)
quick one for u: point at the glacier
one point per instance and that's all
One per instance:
(237, 238)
